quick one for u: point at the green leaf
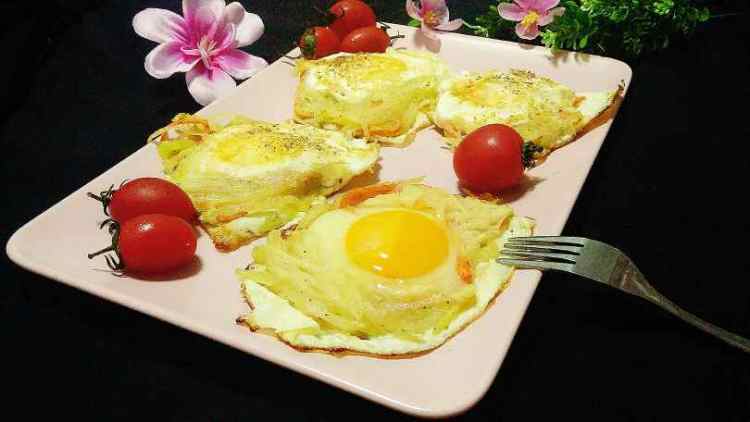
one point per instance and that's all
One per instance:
(663, 7)
(415, 23)
(704, 14)
(583, 42)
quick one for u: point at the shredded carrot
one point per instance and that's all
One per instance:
(358, 195)
(163, 133)
(463, 268)
(504, 223)
(231, 217)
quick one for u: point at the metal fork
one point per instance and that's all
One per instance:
(606, 264)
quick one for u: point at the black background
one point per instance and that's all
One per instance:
(669, 187)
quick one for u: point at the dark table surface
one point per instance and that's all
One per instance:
(669, 187)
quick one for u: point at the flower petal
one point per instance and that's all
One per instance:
(527, 32)
(412, 10)
(202, 23)
(451, 26)
(545, 5)
(191, 7)
(160, 25)
(437, 5)
(249, 26)
(207, 85)
(526, 4)
(225, 38)
(249, 29)
(511, 12)
(547, 17)
(234, 12)
(429, 32)
(167, 59)
(239, 64)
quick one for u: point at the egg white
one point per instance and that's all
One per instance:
(321, 147)
(458, 117)
(276, 315)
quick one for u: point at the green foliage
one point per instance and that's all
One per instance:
(615, 27)
(530, 153)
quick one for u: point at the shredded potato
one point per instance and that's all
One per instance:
(368, 95)
(293, 266)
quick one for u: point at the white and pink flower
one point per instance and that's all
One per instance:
(203, 43)
(530, 15)
(433, 15)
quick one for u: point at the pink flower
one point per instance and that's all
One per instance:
(530, 15)
(434, 15)
(203, 44)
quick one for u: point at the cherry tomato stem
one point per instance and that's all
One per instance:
(317, 42)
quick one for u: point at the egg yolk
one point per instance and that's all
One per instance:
(397, 243)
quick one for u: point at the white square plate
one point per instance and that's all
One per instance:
(208, 300)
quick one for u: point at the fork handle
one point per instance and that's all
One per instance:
(632, 281)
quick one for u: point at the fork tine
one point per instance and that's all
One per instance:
(551, 240)
(536, 265)
(532, 247)
(566, 258)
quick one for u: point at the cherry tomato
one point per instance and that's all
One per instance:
(369, 39)
(350, 15)
(489, 159)
(318, 41)
(155, 243)
(146, 195)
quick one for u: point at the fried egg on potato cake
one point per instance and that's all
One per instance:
(248, 177)
(543, 111)
(382, 96)
(388, 269)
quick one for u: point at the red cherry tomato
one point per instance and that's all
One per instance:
(369, 39)
(489, 159)
(317, 42)
(156, 243)
(150, 195)
(146, 195)
(350, 15)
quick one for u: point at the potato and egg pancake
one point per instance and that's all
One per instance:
(388, 269)
(248, 177)
(543, 111)
(381, 96)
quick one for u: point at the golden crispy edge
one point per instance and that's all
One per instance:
(603, 117)
(342, 351)
(225, 244)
